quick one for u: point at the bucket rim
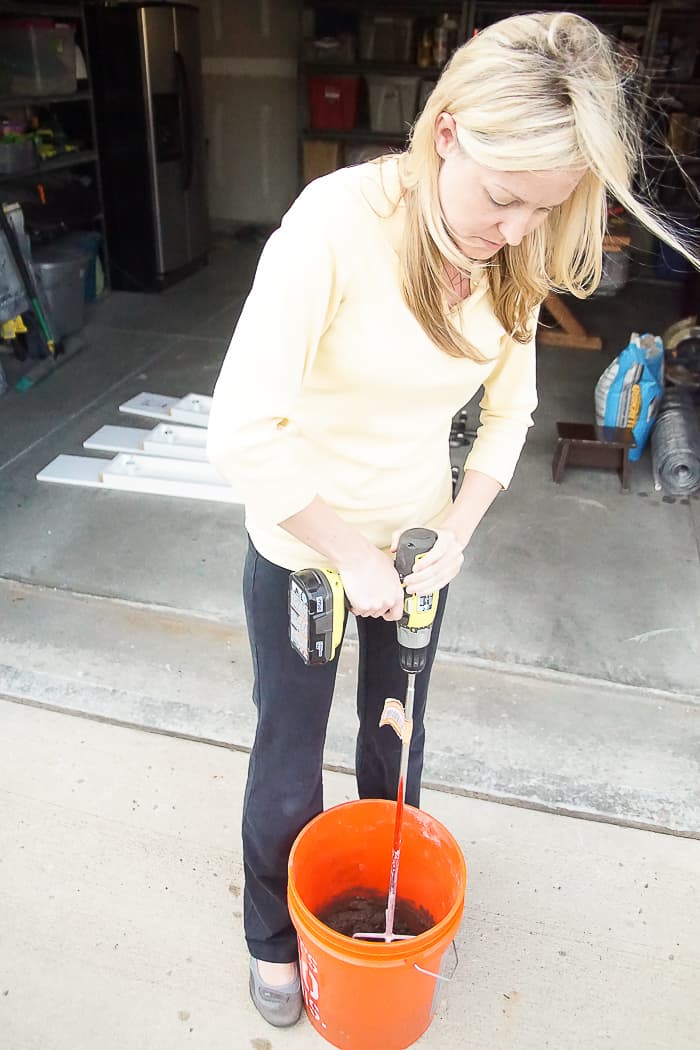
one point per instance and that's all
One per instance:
(378, 951)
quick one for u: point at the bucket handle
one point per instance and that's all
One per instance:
(440, 976)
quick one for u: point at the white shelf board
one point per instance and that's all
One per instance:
(146, 474)
(117, 439)
(193, 409)
(74, 470)
(153, 406)
(170, 440)
(177, 442)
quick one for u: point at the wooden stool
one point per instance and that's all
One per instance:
(588, 445)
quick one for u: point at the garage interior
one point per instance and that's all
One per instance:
(567, 680)
(577, 579)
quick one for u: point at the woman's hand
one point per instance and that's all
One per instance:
(438, 567)
(372, 585)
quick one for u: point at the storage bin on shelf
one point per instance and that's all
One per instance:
(320, 158)
(386, 38)
(37, 57)
(669, 263)
(17, 155)
(363, 152)
(616, 254)
(616, 266)
(392, 103)
(333, 102)
(341, 48)
(426, 89)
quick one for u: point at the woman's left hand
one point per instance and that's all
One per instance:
(438, 567)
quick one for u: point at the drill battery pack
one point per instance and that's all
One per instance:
(316, 614)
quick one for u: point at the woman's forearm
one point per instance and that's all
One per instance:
(372, 586)
(477, 493)
(318, 526)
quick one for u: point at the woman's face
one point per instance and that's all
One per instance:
(486, 208)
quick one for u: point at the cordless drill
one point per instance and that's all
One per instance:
(317, 608)
(415, 626)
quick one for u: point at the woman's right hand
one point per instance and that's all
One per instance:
(372, 585)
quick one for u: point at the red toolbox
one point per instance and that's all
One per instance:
(333, 102)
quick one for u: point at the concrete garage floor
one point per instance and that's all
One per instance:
(570, 656)
(577, 578)
(121, 873)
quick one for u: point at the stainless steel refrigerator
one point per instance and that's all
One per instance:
(146, 69)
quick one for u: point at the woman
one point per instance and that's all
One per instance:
(391, 293)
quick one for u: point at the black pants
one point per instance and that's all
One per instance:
(284, 790)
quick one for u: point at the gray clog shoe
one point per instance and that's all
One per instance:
(280, 1006)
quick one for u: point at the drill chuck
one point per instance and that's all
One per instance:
(413, 648)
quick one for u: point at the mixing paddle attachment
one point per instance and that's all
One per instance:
(401, 721)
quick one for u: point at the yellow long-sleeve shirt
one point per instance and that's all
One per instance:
(330, 387)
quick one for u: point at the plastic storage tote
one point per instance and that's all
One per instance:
(362, 152)
(62, 277)
(37, 57)
(616, 266)
(320, 158)
(333, 102)
(386, 38)
(17, 156)
(426, 89)
(392, 103)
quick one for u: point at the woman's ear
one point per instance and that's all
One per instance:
(445, 135)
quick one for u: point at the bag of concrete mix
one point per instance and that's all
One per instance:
(629, 391)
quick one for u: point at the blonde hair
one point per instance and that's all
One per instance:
(534, 92)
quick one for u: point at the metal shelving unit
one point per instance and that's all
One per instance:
(40, 10)
(665, 82)
(650, 19)
(16, 101)
(354, 135)
(403, 69)
(72, 159)
(599, 13)
(418, 9)
(74, 12)
(471, 14)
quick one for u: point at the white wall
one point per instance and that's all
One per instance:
(249, 61)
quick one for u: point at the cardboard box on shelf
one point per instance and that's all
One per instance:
(320, 158)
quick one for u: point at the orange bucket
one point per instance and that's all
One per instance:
(361, 995)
